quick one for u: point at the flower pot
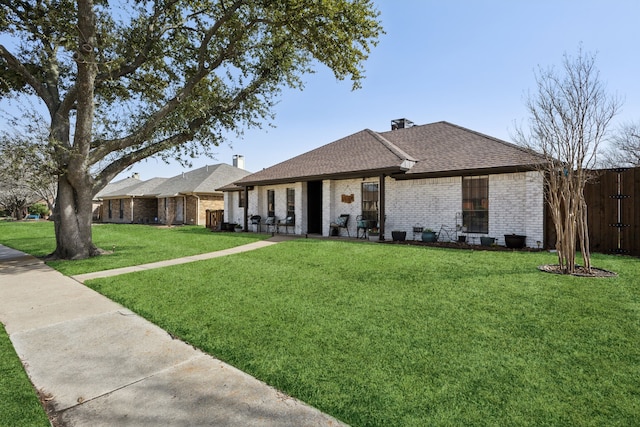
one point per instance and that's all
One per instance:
(399, 236)
(515, 241)
(487, 241)
(429, 236)
(462, 239)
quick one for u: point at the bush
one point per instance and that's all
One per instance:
(39, 209)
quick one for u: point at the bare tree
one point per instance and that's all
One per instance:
(26, 168)
(569, 119)
(624, 150)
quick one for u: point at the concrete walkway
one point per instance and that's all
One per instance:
(99, 364)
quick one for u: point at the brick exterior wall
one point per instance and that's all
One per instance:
(516, 204)
(134, 210)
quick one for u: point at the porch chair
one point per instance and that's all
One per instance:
(271, 224)
(289, 221)
(255, 220)
(341, 222)
(362, 226)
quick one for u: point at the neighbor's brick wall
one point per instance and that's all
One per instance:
(145, 210)
(212, 202)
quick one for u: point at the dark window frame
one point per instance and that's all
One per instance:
(271, 203)
(291, 202)
(370, 201)
(475, 204)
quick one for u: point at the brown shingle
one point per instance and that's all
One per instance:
(437, 148)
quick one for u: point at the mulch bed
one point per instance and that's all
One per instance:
(580, 271)
(459, 245)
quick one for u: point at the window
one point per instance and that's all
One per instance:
(271, 203)
(241, 198)
(291, 202)
(110, 214)
(370, 201)
(121, 209)
(475, 204)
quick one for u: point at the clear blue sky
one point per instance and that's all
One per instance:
(468, 62)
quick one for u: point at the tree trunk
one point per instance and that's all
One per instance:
(73, 222)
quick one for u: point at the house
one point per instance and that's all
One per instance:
(112, 187)
(136, 203)
(427, 176)
(182, 199)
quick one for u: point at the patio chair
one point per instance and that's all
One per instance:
(341, 222)
(289, 221)
(271, 224)
(255, 220)
(362, 227)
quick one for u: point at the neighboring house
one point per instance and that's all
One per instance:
(429, 176)
(112, 187)
(183, 199)
(137, 203)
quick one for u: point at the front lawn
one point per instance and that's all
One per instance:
(132, 244)
(392, 335)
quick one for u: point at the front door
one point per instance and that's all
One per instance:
(314, 207)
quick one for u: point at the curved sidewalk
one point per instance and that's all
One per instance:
(99, 364)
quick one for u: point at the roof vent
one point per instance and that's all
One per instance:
(401, 124)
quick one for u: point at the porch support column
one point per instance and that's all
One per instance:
(381, 212)
(245, 227)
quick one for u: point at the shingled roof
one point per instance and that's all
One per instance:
(205, 180)
(149, 188)
(436, 149)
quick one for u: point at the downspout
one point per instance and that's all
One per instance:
(382, 207)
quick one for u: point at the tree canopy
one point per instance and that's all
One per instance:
(171, 78)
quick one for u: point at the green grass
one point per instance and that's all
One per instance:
(391, 335)
(19, 404)
(131, 244)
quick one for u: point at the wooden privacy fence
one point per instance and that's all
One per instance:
(214, 218)
(613, 209)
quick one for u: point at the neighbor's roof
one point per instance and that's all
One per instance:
(204, 180)
(436, 149)
(117, 186)
(149, 188)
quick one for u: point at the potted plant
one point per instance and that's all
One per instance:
(429, 236)
(515, 241)
(487, 241)
(398, 235)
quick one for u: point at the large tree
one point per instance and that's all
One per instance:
(125, 81)
(569, 118)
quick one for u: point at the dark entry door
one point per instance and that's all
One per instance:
(314, 207)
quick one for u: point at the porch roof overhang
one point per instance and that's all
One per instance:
(466, 172)
(364, 173)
